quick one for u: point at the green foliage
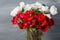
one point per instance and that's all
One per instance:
(19, 21)
(22, 9)
(45, 12)
(37, 10)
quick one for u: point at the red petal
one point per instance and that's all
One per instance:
(25, 25)
(51, 22)
(44, 26)
(20, 26)
(19, 15)
(29, 12)
(14, 20)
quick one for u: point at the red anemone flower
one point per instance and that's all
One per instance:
(50, 21)
(44, 26)
(20, 25)
(14, 20)
(20, 15)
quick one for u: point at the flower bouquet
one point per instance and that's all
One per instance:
(35, 18)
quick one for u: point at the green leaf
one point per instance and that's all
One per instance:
(37, 10)
(30, 30)
(22, 9)
(19, 21)
(45, 12)
(33, 29)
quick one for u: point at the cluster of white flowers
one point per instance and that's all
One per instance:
(52, 10)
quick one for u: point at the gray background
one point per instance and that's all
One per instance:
(11, 32)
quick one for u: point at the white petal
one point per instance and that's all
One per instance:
(22, 4)
(33, 6)
(14, 11)
(38, 5)
(53, 10)
(48, 15)
(45, 8)
(27, 7)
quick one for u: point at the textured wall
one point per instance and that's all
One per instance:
(11, 32)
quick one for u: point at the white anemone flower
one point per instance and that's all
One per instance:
(33, 6)
(38, 5)
(45, 8)
(27, 7)
(48, 15)
(22, 4)
(53, 10)
(15, 10)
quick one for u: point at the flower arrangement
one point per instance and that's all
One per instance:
(33, 16)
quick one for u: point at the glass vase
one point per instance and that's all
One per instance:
(34, 34)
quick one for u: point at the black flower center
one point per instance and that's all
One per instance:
(43, 27)
(36, 22)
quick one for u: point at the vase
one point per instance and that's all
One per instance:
(34, 35)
